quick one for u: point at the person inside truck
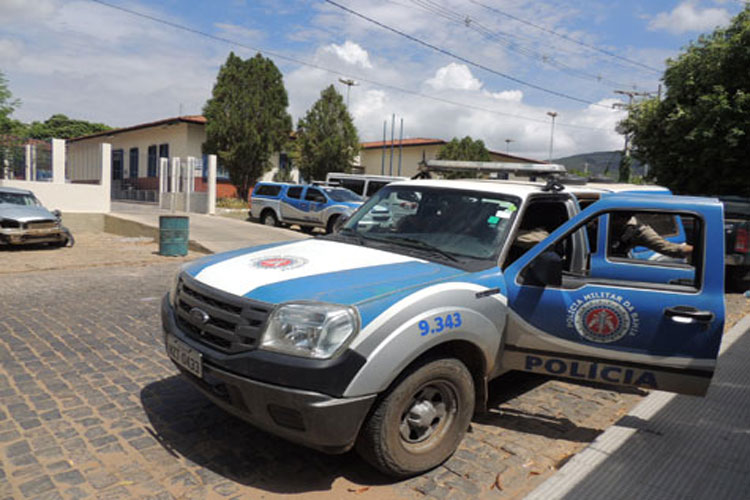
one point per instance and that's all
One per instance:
(628, 232)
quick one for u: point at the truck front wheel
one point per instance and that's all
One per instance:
(421, 421)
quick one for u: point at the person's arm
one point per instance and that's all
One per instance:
(647, 237)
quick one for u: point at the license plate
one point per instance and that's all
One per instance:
(185, 356)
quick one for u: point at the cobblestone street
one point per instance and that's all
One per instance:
(91, 407)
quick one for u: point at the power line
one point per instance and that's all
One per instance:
(336, 72)
(566, 37)
(461, 58)
(506, 40)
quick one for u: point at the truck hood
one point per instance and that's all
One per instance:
(316, 269)
(22, 213)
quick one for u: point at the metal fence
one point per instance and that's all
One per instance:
(25, 159)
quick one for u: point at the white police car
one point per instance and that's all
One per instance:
(383, 336)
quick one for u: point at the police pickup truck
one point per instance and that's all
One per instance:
(275, 203)
(383, 335)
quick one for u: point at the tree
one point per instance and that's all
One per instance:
(7, 106)
(246, 118)
(326, 139)
(466, 149)
(697, 139)
(61, 127)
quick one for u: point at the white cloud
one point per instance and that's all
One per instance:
(454, 76)
(508, 95)
(350, 53)
(688, 17)
(10, 50)
(235, 31)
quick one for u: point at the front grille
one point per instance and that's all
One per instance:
(228, 323)
(42, 224)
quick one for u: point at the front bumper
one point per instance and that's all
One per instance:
(313, 419)
(27, 236)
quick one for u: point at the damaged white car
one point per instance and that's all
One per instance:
(23, 220)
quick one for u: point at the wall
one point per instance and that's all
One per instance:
(411, 156)
(68, 197)
(184, 139)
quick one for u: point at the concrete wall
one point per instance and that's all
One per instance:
(370, 159)
(184, 139)
(65, 196)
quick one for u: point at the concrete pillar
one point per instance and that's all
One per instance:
(58, 161)
(211, 184)
(189, 181)
(175, 182)
(27, 162)
(105, 156)
(163, 175)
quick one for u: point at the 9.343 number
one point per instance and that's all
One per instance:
(439, 324)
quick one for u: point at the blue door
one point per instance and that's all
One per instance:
(640, 328)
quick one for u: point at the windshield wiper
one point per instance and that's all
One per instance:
(415, 243)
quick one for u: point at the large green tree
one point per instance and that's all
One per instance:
(246, 118)
(697, 139)
(466, 149)
(61, 127)
(8, 105)
(326, 139)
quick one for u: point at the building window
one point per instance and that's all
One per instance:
(133, 166)
(285, 162)
(152, 167)
(117, 170)
(163, 150)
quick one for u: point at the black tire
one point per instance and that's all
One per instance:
(332, 223)
(69, 240)
(268, 218)
(421, 420)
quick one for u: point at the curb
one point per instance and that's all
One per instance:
(615, 436)
(126, 227)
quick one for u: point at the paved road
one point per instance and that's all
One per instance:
(90, 407)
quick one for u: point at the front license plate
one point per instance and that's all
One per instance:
(185, 356)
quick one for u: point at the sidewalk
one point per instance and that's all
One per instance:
(672, 446)
(213, 232)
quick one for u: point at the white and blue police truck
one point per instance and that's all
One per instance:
(383, 335)
(277, 203)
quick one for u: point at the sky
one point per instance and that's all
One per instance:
(490, 69)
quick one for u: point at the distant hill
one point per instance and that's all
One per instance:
(598, 163)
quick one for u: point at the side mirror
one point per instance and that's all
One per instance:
(57, 214)
(544, 270)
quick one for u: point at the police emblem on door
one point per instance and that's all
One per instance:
(602, 320)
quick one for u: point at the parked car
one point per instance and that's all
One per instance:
(275, 203)
(737, 239)
(23, 220)
(383, 336)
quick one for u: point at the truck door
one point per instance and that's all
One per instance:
(640, 328)
(293, 206)
(316, 203)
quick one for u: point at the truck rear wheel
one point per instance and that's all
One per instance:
(332, 223)
(421, 421)
(268, 218)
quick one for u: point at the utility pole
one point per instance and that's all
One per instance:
(349, 84)
(507, 144)
(624, 170)
(553, 115)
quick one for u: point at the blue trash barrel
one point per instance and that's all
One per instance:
(173, 235)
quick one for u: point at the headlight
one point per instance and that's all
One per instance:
(173, 289)
(310, 329)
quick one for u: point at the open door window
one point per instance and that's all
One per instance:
(627, 317)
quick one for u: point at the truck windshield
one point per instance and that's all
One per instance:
(452, 224)
(19, 199)
(342, 195)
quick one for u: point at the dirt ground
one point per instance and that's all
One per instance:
(91, 249)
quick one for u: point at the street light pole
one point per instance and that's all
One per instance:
(507, 144)
(349, 84)
(552, 114)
